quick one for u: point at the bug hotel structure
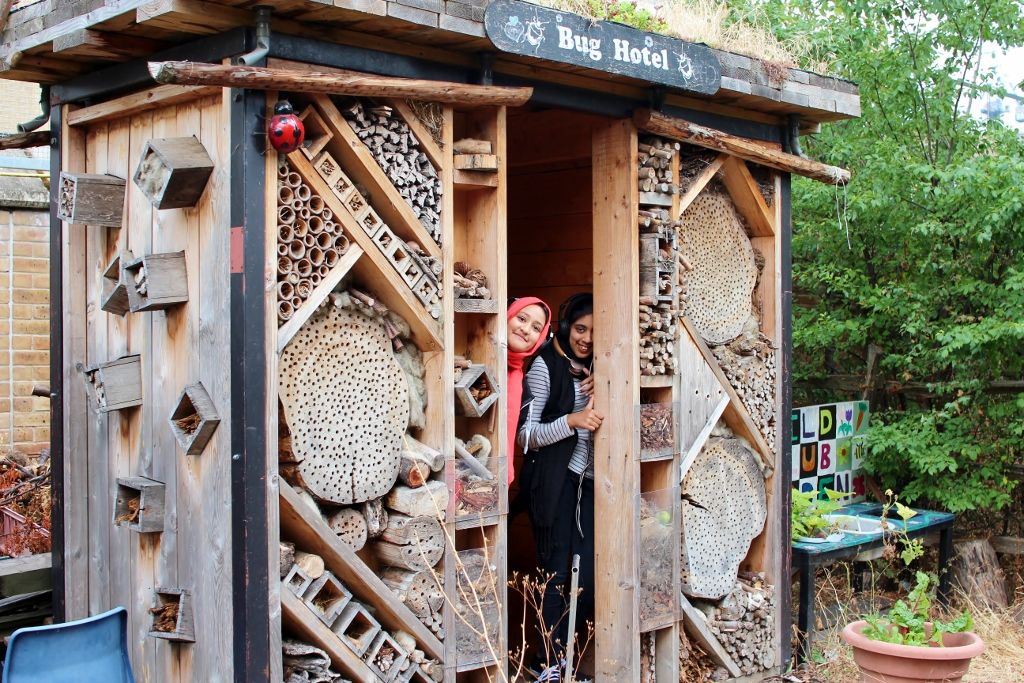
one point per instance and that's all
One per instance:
(279, 427)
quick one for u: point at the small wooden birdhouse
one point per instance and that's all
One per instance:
(173, 172)
(91, 199)
(194, 419)
(115, 294)
(475, 391)
(139, 504)
(156, 281)
(172, 615)
(115, 385)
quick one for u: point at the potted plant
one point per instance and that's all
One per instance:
(905, 647)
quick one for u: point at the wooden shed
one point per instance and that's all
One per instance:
(280, 414)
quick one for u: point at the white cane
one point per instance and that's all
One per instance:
(573, 588)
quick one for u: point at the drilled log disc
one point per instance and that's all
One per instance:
(725, 479)
(346, 401)
(718, 290)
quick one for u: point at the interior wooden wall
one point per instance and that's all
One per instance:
(109, 565)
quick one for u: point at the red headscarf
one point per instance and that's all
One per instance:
(516, 360)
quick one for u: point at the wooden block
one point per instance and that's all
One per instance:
(381, 234)
(425, 290)
(297, 581)
(139, 504)
(357, 205)
(471, 146)
(403, 261)
(655, 199)
(476, 306)
(173, 172)
(115, 293)
(412, 274)
(476, 162)
(474, 379)
(156, 281)
(327, 597)
(184, 628)
(194, 419)
(385, 657)
(115, 385)
(429, 500)
(317, 133)
(91, 199)
(356, 628)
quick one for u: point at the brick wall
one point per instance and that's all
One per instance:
(21, 104)
(24, 328)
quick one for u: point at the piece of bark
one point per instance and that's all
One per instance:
(472, 146)
(287, 557)
(376, 517)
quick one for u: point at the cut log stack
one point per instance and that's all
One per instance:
(422, 273)
(743, 622)
(398, 152)
(658, 256)
(309, 241)
(749, 363)
(658, 328)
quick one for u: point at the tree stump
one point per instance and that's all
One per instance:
(976, 571)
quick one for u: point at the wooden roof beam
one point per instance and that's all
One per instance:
(257, 78)
(710, 138)
(92, 44)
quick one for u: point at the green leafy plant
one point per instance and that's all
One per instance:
(897, 539)
(907, 620)
(807, 517)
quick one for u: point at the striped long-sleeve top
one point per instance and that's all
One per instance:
(534, 434)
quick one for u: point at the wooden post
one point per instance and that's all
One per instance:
(617, 390)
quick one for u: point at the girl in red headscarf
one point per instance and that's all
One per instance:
(529, 320)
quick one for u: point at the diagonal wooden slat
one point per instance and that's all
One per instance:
(306, 625)
(697, 627)
(699, 183)
(317, 297)
(747, 197)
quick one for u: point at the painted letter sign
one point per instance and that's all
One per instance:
(533, 31)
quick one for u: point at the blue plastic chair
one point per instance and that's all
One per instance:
(91, 650)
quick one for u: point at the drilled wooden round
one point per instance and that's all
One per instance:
(726, 480)
(718, 290)
(346, 401)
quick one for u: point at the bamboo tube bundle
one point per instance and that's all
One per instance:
(398, 152)
(309, 241)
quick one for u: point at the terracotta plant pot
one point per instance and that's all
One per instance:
(889, 663)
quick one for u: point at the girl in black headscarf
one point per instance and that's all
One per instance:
(557, 439)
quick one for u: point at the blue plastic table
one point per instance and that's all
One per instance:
(807, 557)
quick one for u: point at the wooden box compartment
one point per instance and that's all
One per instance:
(156, 281)
(173, 172)
(115, 293)
(657, 424)
(385, 657)
(658, 553)
(326, 597)
(317, 133)
(194, 419)
(139, 504)
(91, 199)
(658, 279)
(477, 499)
(115, 385)
(172, 615)
(356, 628)
(477, 611)
(475, 391)
(297, 581)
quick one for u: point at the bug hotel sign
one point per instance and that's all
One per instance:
(530, 30)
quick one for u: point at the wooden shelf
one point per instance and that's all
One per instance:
(463, 668)
(376, 271)
(655, 199)
(483, 306)
(309, 530)
(478, 521)
(475, 180)
(657, 381)
(361, 167)
(317, 297)
(306, 625)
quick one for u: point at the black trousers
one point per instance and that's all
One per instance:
(567, 538)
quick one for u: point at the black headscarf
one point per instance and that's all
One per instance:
(571, 310)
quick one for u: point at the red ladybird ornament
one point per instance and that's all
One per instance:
(285, 129)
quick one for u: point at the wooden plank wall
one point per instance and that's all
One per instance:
(108, 565)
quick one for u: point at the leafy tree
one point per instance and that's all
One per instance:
(921, 257)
